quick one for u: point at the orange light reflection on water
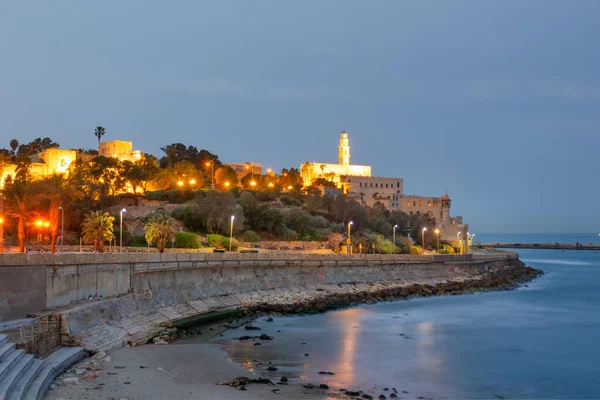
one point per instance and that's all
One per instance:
(349, 321)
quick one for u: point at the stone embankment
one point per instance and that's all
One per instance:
(108, 300)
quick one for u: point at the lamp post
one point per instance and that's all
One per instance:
(394, 239)
(212, 174)
(39, 224)
(231, 232)
(121, 231)
(423, 239)
(349, 241)
(437, 232)
(62, 226)
(1, 225)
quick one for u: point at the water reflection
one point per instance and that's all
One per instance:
(429, 356)
(349, 323)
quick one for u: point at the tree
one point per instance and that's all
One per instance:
(226, 174)
(99, 132)
(20, 202)
(108, 171)
(56, 191)
(36, 146)
(98, 227)
(14, 145)
(160, 229)
(323, 182)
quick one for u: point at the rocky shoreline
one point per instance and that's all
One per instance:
(317, 301)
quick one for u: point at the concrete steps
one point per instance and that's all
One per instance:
(24, 377)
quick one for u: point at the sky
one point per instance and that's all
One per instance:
(495, 102)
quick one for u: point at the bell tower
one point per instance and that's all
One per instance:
(344, 153)
(446, 209)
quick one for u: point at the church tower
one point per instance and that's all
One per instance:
(344, 154)
(446, 209)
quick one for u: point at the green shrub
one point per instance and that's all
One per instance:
(251, 236)
(446, 249)
(289, 235)
(178, 213)
(416, 250)
(157, 195)
(179, 196)
(286, 201)
(127, 237)
(139, 241)
(185, 240)
(221, 242)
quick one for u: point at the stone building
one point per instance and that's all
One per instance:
(120, 149)
(244, 168)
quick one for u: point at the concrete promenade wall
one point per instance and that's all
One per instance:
(32, 282)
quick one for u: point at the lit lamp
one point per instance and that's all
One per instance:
(212, 174)
(394, 239)
(271, 184)
(180, 183)
(253, 183)
(349, 240)
(423, 238)
(121, 230)
(231, 232)
(192, 182)
(227, 185)
(437, 232)
(1, 235)
(290, 187)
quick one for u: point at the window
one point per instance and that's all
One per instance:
(420, 203)
(418, 212)
(361, 184)
(371, 184)
(398, 184)
(375, 184)
(386, 185)
(429, 203)
(411, 213)
(414, 203)
(408, 203)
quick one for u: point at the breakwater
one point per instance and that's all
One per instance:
(107, 300)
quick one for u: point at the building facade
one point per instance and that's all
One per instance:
(120, 149)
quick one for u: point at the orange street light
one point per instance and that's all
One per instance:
(39, 222)
(437, 232)
(180, 183)
(46, 224)
(192, 182)
(271, 184)
(227, 184)
(212, 175)
(253, 183)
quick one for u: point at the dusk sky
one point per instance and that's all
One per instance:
(497, 102)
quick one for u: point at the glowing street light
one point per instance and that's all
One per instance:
(1, 232)
(348, 240)
(458, 235)
(394, 239)
(231, 232)
(212, 174)
(227, 185)
(180, 183)
(192, 182)
(121, 231)
(271, 184)
(423, 238)
(437, 232)
(253, 183)
(290, 187)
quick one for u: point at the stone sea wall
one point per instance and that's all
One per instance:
(107, 300)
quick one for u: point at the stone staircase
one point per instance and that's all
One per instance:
(22, 376)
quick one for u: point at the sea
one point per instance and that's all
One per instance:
(540, 341)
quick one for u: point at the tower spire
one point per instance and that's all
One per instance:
(344, 149)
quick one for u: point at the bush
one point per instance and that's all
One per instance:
(286, 201)
(446, 249)
(179, 196)
(416, 250)
(157, 195)
(289, 235)
(139, 241)
(185, 240)
(127, 237)
(251, 236)
(221, 242)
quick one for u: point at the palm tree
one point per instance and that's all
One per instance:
(99, 132)
(14, 144)
(98, 227)
(57, 191)
(160, 229)
(20, 202)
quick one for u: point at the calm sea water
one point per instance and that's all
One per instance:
(540, 341)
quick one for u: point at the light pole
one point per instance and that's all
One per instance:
(212, 174)
(1, 225)
(231, 232)
(121, 232)
(62, 226)
(437, 232)
(349, 241)
(423, 239)
(394, 239)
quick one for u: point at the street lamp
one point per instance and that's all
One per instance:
(180, 183)
(192, 183)
(62, 226)
(39, 224)
(271, 184)
(253, 183)
(1, 235)
(423, 238)
(227, 185)
(394, 239)
(349, 240)
(212, 174)
(231, 232)
(121, 232)
(437, 232)
(458, 235)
